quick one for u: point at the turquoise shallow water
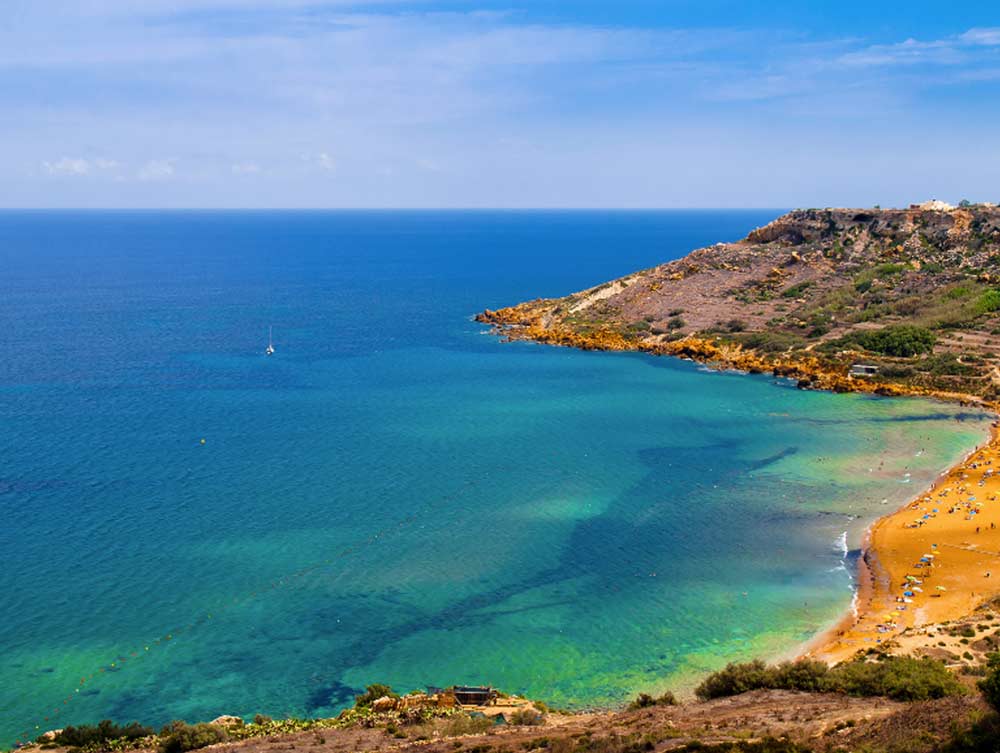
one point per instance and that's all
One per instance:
(397, 496)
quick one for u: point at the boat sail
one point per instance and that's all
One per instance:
(270, 342)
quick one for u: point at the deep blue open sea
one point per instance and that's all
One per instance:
(396, 496)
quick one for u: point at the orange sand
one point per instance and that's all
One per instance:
(962, 557)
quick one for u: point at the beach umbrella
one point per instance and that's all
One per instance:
(940, 588)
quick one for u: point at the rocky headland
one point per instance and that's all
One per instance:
(914, 294)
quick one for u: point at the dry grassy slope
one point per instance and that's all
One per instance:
(802, 281)
(819, 722)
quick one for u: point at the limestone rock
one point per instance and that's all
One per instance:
(385, 703)
(227, 720)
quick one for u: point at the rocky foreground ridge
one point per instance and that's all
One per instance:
(913, 292)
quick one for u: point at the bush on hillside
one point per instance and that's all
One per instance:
(373, 693)
(988, 302)
(769, 342)
(796, 290)
(735, 679)
(990, 685)
(180, 737)
(899, 678)
(97, 736)
(645, 700)
(764, 745)
(945, 364)
(526, 717)
(900, 340)
(902, 678)
(806, 675)
(463, 724)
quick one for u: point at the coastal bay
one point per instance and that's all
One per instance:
(395, 495)
(822, 265)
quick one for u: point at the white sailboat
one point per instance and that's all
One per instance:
(270, 343)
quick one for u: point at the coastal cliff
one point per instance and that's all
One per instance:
(912, 294)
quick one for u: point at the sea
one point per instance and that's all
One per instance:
(190, 527)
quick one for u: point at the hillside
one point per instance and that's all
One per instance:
(914, 292)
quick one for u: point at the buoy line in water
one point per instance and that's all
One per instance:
(45, 718)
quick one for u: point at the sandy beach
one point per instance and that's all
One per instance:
(934, 560)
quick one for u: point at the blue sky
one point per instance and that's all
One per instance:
(383, 103)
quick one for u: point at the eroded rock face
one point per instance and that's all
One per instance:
(385, 703)
(228, 721)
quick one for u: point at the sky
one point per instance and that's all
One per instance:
(492, 104)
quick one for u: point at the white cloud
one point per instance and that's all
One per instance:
(79, 166)
(156, 169)
(67, 166)
(952, 50)
(325, 162)
(380, 88)
(982, 36)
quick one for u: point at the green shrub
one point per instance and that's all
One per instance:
(98, 736)
(645, 700)
(899, 678)
(642, 701)
(893, 371)
(946, 364)
(989, 301)
(373, 693)
(526, 717)
(806, 675)
(183, 737)
(990, 685)
(796, 290)
(956, 293)
(463, 724)
(888, 269)
(900, 340)
(675, 322)
(736, 679)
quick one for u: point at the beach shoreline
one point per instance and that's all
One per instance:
(893, 546)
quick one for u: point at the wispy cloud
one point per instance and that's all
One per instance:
(988, 36)
(310, 88)
(78, 166)
(953, 50)
(325, 162)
